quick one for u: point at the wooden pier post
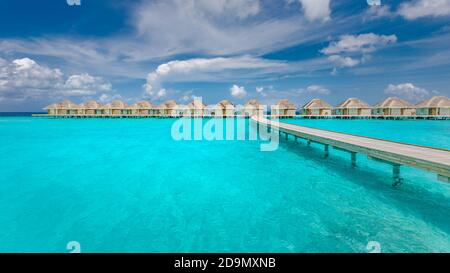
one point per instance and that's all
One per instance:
(353, 159)
(326, 148)
(443, 178)
(396, 175)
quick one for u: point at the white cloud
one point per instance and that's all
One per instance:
(238, 91)
(376, 12)
(236, 8)
(84, 85)
(25, 78)
(408, 91)
(162, 29)
(161, 93)
(264, 91)
(363, 43)
(343, 61)
(352, 50)
(20, 76)
(202, 69)
(318, 89)
(106, 98)
(424, 8)
(316, 9)
(222, 28)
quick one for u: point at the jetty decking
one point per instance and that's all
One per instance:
(395, 153)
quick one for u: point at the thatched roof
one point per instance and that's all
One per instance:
(170, 104)
(394, 102)
(284, 104)
(253, 103)
(224, 104)
(162, 106)
(67, 104)
(106, 106)
(353, 103)
(196, 104)
(317, 104)
(436, 101)
(142, 105)
(92, 104)
(118, 104)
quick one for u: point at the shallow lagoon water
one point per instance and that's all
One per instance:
(124, 185)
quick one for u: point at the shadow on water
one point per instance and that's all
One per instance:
(411, 197)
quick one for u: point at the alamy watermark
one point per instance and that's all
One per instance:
(73, 247)
(373, 247)
(374, 2)
(73, 2)
(211, 124)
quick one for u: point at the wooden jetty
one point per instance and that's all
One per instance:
(395, 153)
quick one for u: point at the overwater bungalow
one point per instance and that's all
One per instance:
(436, 106)
(394, 106)
(90, 108)
(225, 108)
(66, 108)
(143, 108)
(117, 107)
(253, 107)
(197, 108)
(353, 107)
(161, 110)
(317, 107)
(283, 108)
(168, 108)
(52, 109)
(181, 110)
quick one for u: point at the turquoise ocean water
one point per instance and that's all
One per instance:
(124, 185)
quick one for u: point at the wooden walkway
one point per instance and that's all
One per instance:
(418, 117)
(395, 153)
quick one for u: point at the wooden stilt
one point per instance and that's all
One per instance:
(396, 175)
(353, 159)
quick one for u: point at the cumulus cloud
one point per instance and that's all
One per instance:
(238, 91)
(352, 50)
(424, 8)
(408, 91)
(106, 98)
(201, 69)
(27, 74)
(363, 43)
(85, 84)
(25, 78)
(343, 61)
(316, 9)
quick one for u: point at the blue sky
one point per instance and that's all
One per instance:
(224, 49)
